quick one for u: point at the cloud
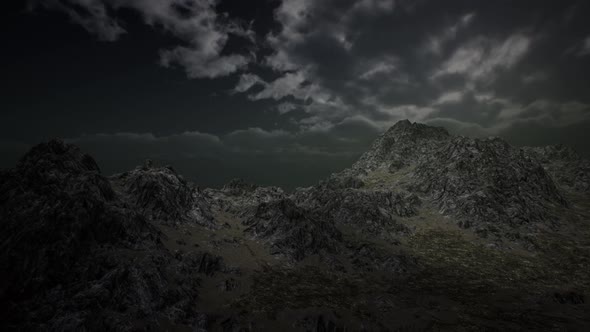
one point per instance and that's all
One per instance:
(326, 66)
(286, 107)
(92, 15)
(375, 5)
(372, 69)
(449, 97)
(199, 65)
(247, 81)
(292, 84)
(263, 156)
(436, 42)
(480, 58)
(581, 48)
(195, 22)
(534, 77)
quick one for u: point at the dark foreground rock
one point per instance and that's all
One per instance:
(163, 195)
(76, 257)
(292, 231)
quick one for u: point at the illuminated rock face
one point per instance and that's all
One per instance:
(403, 144)
(488, 182)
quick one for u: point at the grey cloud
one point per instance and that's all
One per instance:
(479, 58)
(247, 81)
(198, 65)
(193, 21)
(92, 15)
(436, 42)
(296, 158)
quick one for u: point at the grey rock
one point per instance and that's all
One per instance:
(403, 144)
(488, 181)
(567, 168)
(292, 231)
(164, 196)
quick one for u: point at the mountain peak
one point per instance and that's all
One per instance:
(400, 145)
(58, 155)
(416, 130)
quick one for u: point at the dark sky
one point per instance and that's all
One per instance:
(285, 92)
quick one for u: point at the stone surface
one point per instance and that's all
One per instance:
(163, 195)
(426, 231)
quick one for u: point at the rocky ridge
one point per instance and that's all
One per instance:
(77, 256)
(162, 195)
(148, 250)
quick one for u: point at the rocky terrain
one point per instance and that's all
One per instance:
(426, 231)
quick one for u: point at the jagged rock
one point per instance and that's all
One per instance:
(241, 198)
(238, 187)
(162, 195)
(403, 144)
(373, 211)
(564, 164)
(336, 182)
(54, 207)
(291, 231)
(75, 257)
(82, 252)
(488, 181)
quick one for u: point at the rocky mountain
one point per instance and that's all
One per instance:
(162, 195)
(426, 231)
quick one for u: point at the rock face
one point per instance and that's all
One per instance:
(55, 206)
(403, 144)
(76, 257)
(162, 195)
(291, 231)
(566, 167)
(482, 183)
(242, 198)
(368, 248)
(488, 182)
(372, 211)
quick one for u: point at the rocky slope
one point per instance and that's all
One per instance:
(76, 256)
(488, 184)
(568, 169)
(426, 231)
(162, 195)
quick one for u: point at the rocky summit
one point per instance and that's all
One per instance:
(426, 231)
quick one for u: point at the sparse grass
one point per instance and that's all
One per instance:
(277, 288)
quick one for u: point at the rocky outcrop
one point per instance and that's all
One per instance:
(55, 206)
(403, 144)
(372, 211)
(164, 196)
(292, 231)
(77, 257)
(242, 198)
(568, 169)
(482, 182)
(84, 252)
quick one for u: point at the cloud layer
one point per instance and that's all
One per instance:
(323, 78)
